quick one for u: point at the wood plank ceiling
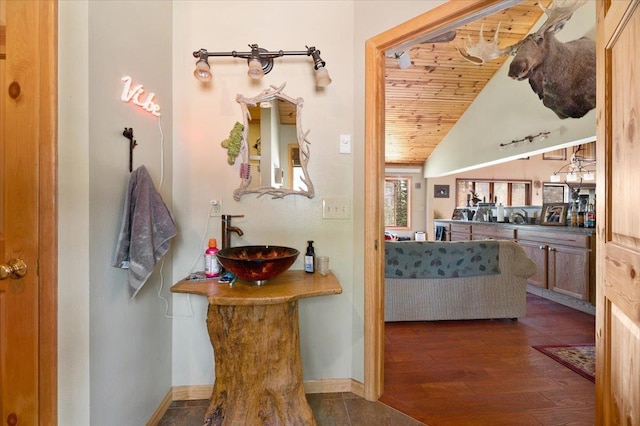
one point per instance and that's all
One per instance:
(286, 109)
(424, 101)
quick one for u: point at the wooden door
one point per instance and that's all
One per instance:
(618, 219)
(27, 212)
(569, 271)
(537, 251)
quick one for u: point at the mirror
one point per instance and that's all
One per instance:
(274, 148)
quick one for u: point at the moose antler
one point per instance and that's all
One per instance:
(558, 13)
(484, 51)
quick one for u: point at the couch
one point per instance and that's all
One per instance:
(441, 280)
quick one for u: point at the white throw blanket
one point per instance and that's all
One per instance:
(147, 227)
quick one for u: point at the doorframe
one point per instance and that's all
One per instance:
(447, 16)
(47, 54)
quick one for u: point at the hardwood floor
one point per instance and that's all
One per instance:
(486, 372)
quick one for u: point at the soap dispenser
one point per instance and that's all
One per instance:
(310, 258)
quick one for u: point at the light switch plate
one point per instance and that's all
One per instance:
(336, 208)
(345, 144)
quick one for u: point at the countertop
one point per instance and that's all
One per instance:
(538, 228)
(286, 287)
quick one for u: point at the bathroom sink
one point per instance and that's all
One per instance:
(257, 263)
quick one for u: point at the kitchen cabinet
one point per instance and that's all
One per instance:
(538, 253)
(492, 232)
(459, 232)
(565, 261)
(467, 231)
(564, 256)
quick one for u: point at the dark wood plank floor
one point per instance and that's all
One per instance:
(486, 372)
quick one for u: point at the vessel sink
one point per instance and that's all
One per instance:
(257, 263)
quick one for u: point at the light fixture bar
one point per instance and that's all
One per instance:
(264, 58)
(528, 139)
(264, 54)
(576, 169)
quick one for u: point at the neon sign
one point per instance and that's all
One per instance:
(133, 94)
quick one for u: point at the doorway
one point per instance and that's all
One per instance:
(447, 16)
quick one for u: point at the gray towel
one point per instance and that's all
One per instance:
(147, 227)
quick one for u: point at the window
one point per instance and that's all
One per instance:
(397, 202)
(509, 193)
(553, 193)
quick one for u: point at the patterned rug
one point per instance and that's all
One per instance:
(579, 358)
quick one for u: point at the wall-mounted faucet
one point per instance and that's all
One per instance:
(227, 229)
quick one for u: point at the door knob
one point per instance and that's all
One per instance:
(15, 268)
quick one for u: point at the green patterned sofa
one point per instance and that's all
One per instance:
(440, 280)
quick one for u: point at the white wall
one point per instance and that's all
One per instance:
(73, 214)
(506, 110)
(115, 353)
(130, 339)
(203, 117)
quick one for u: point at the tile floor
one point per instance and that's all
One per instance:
(329, 409)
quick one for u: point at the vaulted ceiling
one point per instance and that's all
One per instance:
(425, 100)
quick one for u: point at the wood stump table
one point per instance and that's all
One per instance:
(256, 345)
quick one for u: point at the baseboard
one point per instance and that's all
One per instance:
(162, 408)
(184, 393)
(334, 385)
(562, 299)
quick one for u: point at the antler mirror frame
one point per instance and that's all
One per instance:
(268, 95)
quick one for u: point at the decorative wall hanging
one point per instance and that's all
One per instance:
(441, 191)
(567, 69)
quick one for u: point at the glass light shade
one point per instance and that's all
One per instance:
(404, 61)
(554, 178)
(255, 69)
(322, 77)
(589, 176)
(203, 71)
(572, 177)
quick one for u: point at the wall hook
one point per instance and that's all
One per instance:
(128, 133)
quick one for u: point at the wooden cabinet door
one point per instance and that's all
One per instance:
(459, 236)
(28, 225)
(492, 232)
(569, 271)
(618, 224)
(460, 232)
(538, 253)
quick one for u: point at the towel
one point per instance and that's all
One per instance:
(147, 227)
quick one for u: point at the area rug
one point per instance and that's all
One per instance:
(579, 358)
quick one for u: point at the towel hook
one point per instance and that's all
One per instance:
(128, 133)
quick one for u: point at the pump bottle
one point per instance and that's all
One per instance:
(211, 264)
(310, 258)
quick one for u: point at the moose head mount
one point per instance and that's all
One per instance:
(563, 75)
